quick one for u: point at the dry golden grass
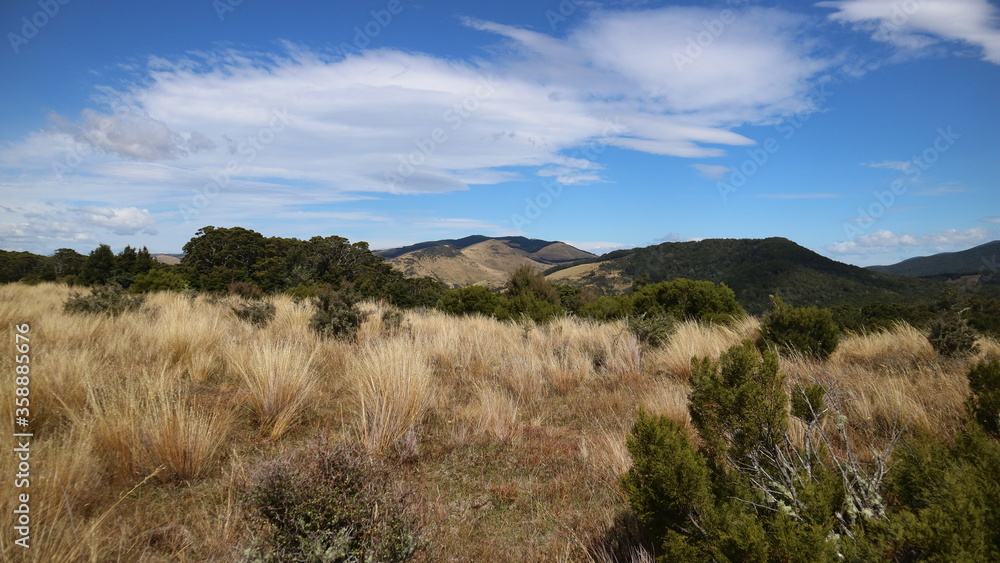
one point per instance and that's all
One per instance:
(145, 424)
(393, 383)
(278, 381)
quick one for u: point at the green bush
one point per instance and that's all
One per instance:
(951, 335)
(984, 402)
(257, 313)
(608, 308)
(103, 300)
(686, 299)
(807, 330)
(652, 330)
(392, 320)
(471, 300)
(336, 314)
(158, 279)
(329, 504)
(669, 483)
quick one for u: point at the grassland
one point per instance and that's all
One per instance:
(508, 438)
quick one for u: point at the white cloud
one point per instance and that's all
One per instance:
(915, 24)
(994, 219)
(898, 165)
(886, 242)
(270, 132)
(711, 171)
(599, 248)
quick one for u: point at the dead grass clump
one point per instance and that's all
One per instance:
(698, 340)
(278, 380)
(900, 347)
(392, 386)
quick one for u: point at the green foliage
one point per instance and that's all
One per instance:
(652, 330)
(808, 330)
(99, 267)
(608, 308)
(158, 279)
(103, 300)
(669, 482)
(948, 499)
(530, 294)
(738, 404)
(984, 402)
(471, 300)
(336, 314)
(807, 402)
(330, 504)
(951, 335)
(686, 299)
(255, 312)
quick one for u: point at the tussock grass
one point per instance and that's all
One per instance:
(512, 434)
(392, 386)
(698, 340)
(278, 381)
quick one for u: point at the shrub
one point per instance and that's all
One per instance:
(243, 289)
(158, 279)
(608, 308)
(669, 482)
(984, 402)
(808, 330)
(686, 299)
(951, 335)
(336, 315)
(330, 504)
(105, 299)
(652, 330)
(392, 320)
(471, 300)
(257, 313)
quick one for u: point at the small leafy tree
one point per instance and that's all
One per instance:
(951, 335)
(808, 330)
(652, 330)
(158, 279)
(336, 314)
(687, 299)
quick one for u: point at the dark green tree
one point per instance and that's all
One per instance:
(808, 330)
(100, 266)
(686, 299)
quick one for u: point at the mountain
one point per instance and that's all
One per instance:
(981, 260)
(753, 268)
(479, 259)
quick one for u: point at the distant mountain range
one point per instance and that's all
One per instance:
(983, 260)
(753, 268)
(479, 259)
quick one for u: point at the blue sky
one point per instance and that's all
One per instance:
(866, 130)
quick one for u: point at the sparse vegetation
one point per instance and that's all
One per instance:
(149, 426)
(952, 336)
(103, 300)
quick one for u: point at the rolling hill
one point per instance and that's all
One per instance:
(753, 268)
(479, 259)
(981, 260)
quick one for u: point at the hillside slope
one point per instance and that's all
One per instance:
(479, 259)
(753, 268)
(980, 260)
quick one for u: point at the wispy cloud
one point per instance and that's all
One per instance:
(994, 219)
(711, 171)
(915, 25)
(899, 165)
(887, 242)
